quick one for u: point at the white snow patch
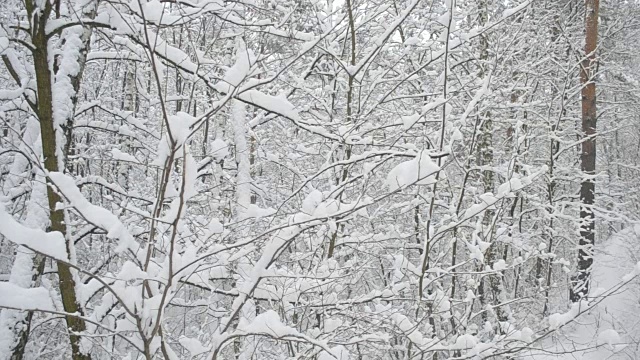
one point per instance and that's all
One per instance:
(417, 171)
(93, 213)
(219, 149)
(51, 244)
(26, 299)
(121, 156)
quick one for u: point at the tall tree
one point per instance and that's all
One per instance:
(588, 71)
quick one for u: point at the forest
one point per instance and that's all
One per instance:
(319, 179)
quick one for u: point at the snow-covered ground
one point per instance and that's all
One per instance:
(611, 329)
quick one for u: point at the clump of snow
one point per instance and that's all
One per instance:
(610, 338)
(179, 127)
(14, 296)
(190, 175)
(508, 12)
(499, 265)
(245, 58)
(194, 346)
(465, 342)
(331, 324)
(276, 104)
(219, 149)
(215, 226)
(311, 202)
(512, 185)
(254, 211)
(95, 214)
(409, 121)
(557, 320)
(417, 171)
(414, 40)
(51, 244)
(327, 208)
(121, 156)
(131, 271)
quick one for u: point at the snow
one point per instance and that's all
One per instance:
(180, 127)
(215, 226)
(513, 184)
(4, 44)
(121, 156)
(254, 211)
(337, 353)
(95, 214)
(560, 319)
(130, 271)
(193, 346)
(51, 244)
(409, 121)
(613, 319)
(233, 279)
(511, 11)
(417, 171)
(153, 10)
(23, 264)
(412, 41)
(190, 170)
(14, 296)
(243, 177)
(609, 337)
(298, 35)
(433, 104)
(172, 54)
(241, 69)
(267, 323)
(499, 265)
(276, 104)
(465, 342)
(311, 202)
(219, 149)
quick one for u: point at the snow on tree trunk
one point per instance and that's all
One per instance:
(243, 177)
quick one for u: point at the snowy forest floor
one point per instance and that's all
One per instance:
(590, 336)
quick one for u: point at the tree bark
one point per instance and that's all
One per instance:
(588, 154)
(51, 148)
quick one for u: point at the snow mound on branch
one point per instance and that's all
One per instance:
(97, 215)
(241, 69)
(609, 337)
(311, 202)
(219, 149)
(51, 244)
(557, 320)
(14, 296)
(417, 171)
(122, 156)
(194, 346)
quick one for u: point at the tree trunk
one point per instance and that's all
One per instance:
(588, 155)
(51, 148)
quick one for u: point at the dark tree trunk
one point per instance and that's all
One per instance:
(588, 155)
(52, 163)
